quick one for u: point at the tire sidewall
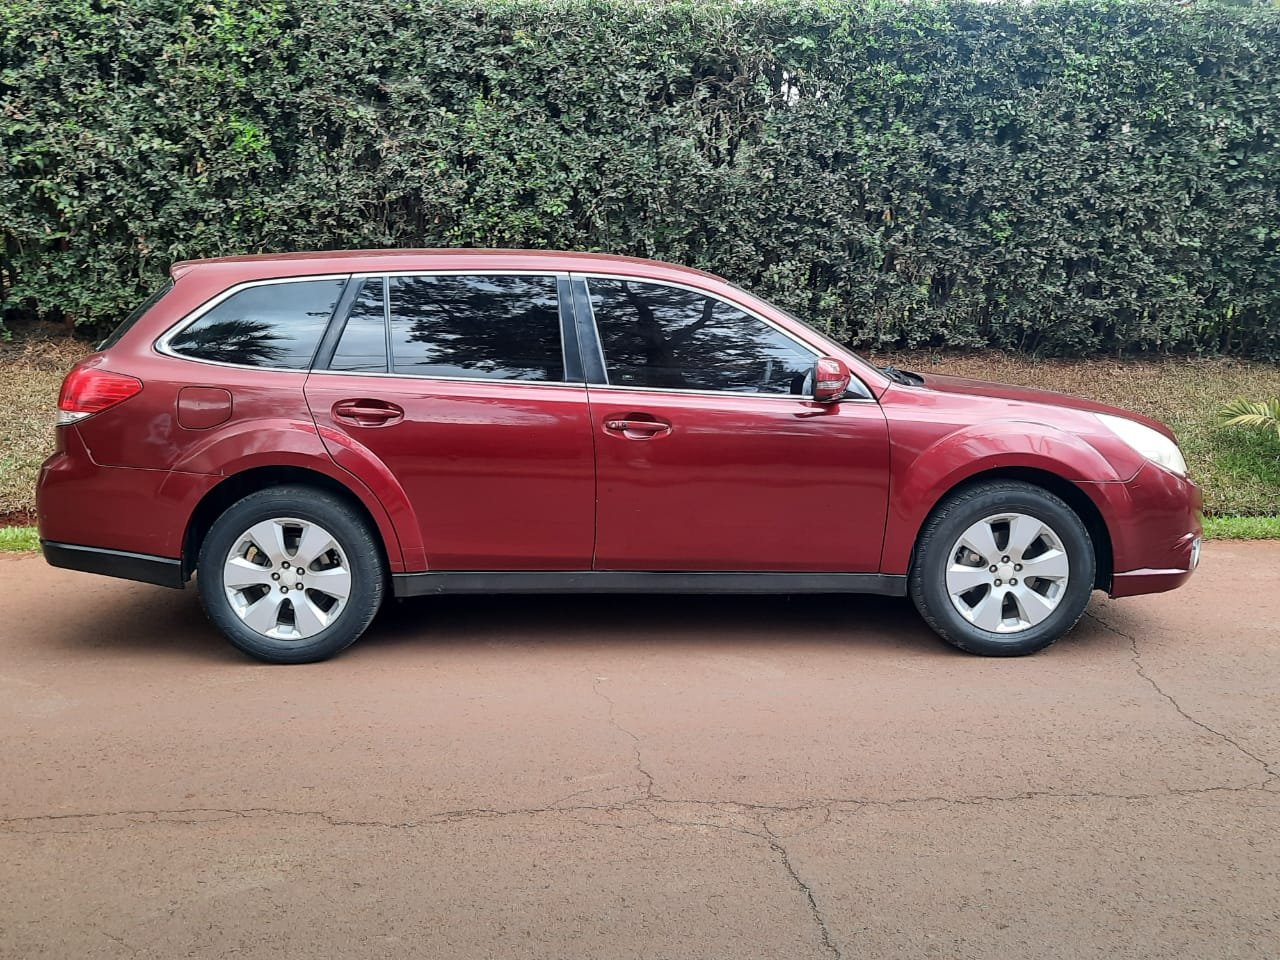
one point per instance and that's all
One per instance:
(928, 578)
(355, 541)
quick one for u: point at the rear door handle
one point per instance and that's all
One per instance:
(367, 413)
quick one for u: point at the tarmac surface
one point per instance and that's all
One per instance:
(617, 777)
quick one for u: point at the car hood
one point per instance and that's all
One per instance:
(1006, 391)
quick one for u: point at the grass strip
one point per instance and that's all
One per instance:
(18, 539)
(1242, 528)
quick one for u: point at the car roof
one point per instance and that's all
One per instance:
(317, 262)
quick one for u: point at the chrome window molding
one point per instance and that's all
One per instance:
(162, 343)
(431, 376)
(676, 392)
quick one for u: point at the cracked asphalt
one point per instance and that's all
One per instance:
(609, 777)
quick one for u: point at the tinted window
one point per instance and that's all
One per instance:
(668, 337)
(271, 325)
(494, 327)
(364, 339)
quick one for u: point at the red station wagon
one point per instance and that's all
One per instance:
(309, 432)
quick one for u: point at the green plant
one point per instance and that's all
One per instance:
(18, 539)
(1061, 177)
(1260, 415)
(1242, 528)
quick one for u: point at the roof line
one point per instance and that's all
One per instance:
(183, 266)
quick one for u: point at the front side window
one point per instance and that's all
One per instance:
(677, 339)
(274, 325)
(476, 326)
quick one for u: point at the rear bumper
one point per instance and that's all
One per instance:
(143, 567)
(119, 510)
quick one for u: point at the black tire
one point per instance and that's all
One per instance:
(358, 548)
(949, 521)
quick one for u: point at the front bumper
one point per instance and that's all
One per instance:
(1155, 521)
(1131, 583)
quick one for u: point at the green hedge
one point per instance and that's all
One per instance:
(1058, 177)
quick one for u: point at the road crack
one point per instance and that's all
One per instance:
(650, 805)
(1141, 670)
(635, 741)
(775, 844)
(824, 932)
(117, 940)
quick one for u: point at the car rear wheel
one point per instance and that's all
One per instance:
(291, 575)
(1002, 569)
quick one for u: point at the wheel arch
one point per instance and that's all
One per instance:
(238, 485)
(1079, 501)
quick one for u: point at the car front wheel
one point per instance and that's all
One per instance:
(1002, 569)
(290, 575)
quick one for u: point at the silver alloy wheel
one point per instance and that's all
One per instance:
(286, 578)
(1007, 573)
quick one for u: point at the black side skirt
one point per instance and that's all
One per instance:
(162, 571)
(626, 581)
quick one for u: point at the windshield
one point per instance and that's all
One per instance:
(114, 336)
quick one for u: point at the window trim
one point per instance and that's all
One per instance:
(333, 333)
(570, 343)
(586, 277)
(162, 343)
(574, 384)
(577, 322)
(329, 343)
(388, 275)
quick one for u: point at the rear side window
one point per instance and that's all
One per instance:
(139, 312)
(274, 325)
(476, 326)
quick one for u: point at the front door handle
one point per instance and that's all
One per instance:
(638, 426)
(367, 413)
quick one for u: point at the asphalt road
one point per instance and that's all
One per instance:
(641, 777)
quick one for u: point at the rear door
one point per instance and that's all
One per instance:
(460, 385)
(710, 454)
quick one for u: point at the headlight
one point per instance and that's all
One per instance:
(1152, 444)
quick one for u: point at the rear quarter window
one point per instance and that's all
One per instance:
(275, 325)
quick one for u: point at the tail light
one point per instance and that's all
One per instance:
(89, 390)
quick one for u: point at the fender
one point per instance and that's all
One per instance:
(920, 480)
(360, 464)
(293, 443)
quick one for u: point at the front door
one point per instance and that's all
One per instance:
(710, 456)
(457, 384)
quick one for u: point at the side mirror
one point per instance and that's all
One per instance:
(830, 379)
